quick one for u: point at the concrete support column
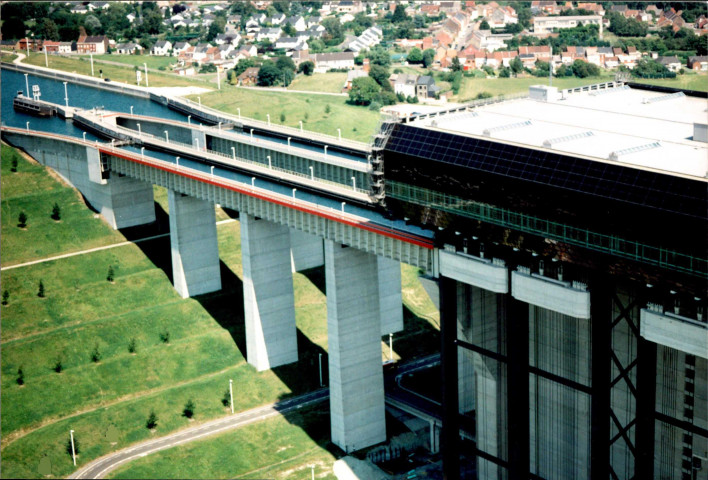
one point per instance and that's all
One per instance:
(306, 251)
(269, 301)
(390, 299)
(356, 393)
(195, 251)
(450, 436)
(123, 202)
(198, 139)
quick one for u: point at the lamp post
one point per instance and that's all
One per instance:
(46, 59)
(212, 170)
(390, 347)
(233, 152)
(343, 203)
(268, 115)
(196, 140)
(312, 172)
(177, 160)
(219, 126)
(312, 467)
(354, 183)
(28, 126)
(239, 113)
(27, 42)
(231, 394)
(189, 119)
(251, 134)
(289, 142)
(131, 109)
(66, 94)
(142, 151)
(300, 125)
(84, 136)
(73, 450)
(91, 57)
(167, 136)
(200, 101)
(339, 133)
(253, 181)
(27, 85)
(325, 150)
(140, 133)
(294, 190)
(147, 83)
(270, 164)
(321, 384)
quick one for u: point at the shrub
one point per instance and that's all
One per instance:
(20, 376)
(482, 95)
(165, 336)
(58, 366)
(151, 421)
(13, 164)
(132, 347)
(226, 399)
(110, 275)
(375, 106)
(40, 289)
(5, 297)
(22, 220)
(282, 117)
(189, 409)
(95, 354)
(328, 109)
(56, 212)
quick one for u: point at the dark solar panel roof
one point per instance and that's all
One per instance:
(674, 194)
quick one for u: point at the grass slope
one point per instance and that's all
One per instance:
(32, 191)
(357, 123)
(503, 86)
(82, 65)
(319, 82)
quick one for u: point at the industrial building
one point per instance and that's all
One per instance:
(572, 270)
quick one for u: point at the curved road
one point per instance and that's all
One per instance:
(100, 467)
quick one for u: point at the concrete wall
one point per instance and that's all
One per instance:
(195, 251)
(390, 300)
(269, 301)
(306, 251)
(355, 374)
(122, 201)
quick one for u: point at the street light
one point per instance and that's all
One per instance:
(300, 125)
(73, 450)
(140, 133)
(197, 142)
(84, 136)
(147, 84)
(312, 172)
(325, 150)
(231, 393)
(167, 136)
(312, 467)
(66, 94)
(294, 190)
(268, 115)
(289, 142)
(189, 119)
(200, 101)
(27, 42)
(354, 183)
(91, 56)
(28, 126)
(131, 109)
(233, 152)
(46, 59)
(251, 134)
(253, 181)
(212, 170)
(177, 160)
(343, 203)
(339, 132)
(142, 151)
(239, 113)
(27, 84)
(270, 165)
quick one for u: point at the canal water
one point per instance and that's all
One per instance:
(86, 97)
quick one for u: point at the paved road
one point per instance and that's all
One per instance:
(288, 90)
(99, 468)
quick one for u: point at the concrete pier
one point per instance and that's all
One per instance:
(195, 252)
(390, 301)
(354, 330)
(269, 301)
(306, 251)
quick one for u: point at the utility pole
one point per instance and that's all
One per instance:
(73, 450)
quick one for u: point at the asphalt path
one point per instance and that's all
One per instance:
(100, 467)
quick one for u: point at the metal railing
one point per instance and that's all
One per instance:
(600, 242)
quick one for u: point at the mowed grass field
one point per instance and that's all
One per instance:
(82, 65)
(319, 82)
(357, 123)
(137, 60)
(503, 86)
(107, 402)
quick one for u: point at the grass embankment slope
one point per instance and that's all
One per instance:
(319, 82)
(107, 402)
(357, 123)
(126, 74)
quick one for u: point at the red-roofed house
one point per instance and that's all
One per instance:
(92, 44)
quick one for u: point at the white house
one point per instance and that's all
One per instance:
(289, 43)
(329, 61)
(271, 34)
(127, 48)
(161, 47)
(230, 38)
(405, 84)
(297, 22)
(179, 47)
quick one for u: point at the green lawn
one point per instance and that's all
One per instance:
(139, 60)
(33, 191)
(357, 123)
(296, 441)
(126, 74)
(320, 82)
(688, 81)
(504, 86)
(7, 56)
(82, 310)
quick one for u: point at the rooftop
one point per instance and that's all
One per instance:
(636, 128)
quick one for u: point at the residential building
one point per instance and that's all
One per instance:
(128, 48)
(698, 63)
(548, 24)
(486, 40)
(92, 44)
(289, 43)
(368, 38)
(405, 84)
(270, 34)
(230, 38)
(351, 75)
(425, 87)
(671, 62)
(161, 47)
(329, 61)
(297, 22)
(249, 76)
